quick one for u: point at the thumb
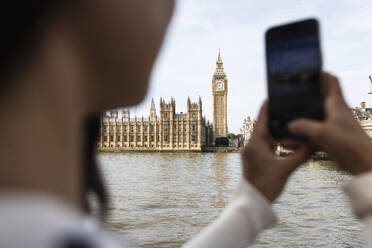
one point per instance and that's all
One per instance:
(308, 128)
(294, 160)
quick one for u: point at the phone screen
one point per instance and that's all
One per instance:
(294, 76)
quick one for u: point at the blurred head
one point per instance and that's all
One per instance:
(114, 42)
(119, 41)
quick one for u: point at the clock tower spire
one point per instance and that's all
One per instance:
(219, 92)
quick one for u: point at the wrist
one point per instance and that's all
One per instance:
(265, 189)
(246, 188)
(360, 197)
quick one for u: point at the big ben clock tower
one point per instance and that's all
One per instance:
(219, 91)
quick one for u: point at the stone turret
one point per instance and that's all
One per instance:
(167, 110)
(125, 115)
(152, 110)
(188, 104)
(170, 106)
(114, 115)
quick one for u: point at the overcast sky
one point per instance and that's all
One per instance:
(200, 27)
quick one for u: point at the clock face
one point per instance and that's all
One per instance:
(219, 86)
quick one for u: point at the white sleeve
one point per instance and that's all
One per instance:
(359, 190)
(247, 214)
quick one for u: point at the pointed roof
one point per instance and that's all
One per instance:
(219, 66)
(152, 104)
(219, 60)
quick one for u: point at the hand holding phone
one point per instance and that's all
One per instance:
(294, 75)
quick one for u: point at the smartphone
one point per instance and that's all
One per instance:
(294, 75)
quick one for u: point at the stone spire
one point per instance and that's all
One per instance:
(153, 109)
(219, 60)
(152, 104)
(219, 66)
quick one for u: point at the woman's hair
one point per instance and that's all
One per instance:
(93, 182)
(23, 24)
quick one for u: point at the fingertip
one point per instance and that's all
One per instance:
(333, 87)
(263, 110)
(262, 119)
(329, 77)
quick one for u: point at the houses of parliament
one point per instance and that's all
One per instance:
(169, 130)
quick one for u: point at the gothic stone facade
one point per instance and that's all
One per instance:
(170, 131)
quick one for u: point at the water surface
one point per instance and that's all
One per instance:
(163, 199)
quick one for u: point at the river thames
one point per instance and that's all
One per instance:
(164, 199)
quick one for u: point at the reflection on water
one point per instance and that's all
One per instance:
(162, 200)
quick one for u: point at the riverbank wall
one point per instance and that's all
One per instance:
(318, 156)
(155, 150)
